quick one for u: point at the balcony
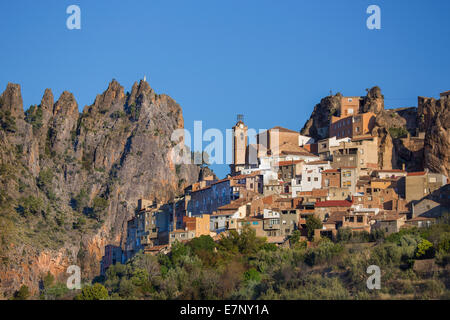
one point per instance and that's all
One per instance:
(271, 226)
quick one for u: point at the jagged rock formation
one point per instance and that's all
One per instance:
(373, 101)
(70, 181)
(434, 120)
(318, 123)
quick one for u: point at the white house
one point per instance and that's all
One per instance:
(311, 177)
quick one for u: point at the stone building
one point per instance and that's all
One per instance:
(421, 184)
(324, 209)
(361, 152)
(352, 126)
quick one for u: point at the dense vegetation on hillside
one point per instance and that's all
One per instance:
(246, 267)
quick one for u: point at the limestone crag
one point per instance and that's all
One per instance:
(71, 180)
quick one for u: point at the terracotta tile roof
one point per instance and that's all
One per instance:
(219, 181)
(236, 204)
(330, 171)
(267, 200)
(418, 173)
(243, 176)
(390, 170)
(276, 239)
(388, 217)
(281, 129)
(179, 231)
(333, 203)
(336, 217)
(421, 219)
(299, 153)
(288, 163)
(317, 162)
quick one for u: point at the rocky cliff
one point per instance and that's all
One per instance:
(70, 180)
(434, 120)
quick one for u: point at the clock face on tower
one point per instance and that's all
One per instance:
(241, 126)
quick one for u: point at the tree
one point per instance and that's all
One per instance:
(344, 234)
(424, 249)
(30, 206)
(178, 251)
(252, 275)
(294, 238)
(94, 292)
(98, 206)
(312, 223)
(44, 180)
(48, 280)
(202, 243)
(22, 294)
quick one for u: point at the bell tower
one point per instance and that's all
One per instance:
(240, 140)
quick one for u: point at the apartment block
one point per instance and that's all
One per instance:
(352, 126)
(361, 152)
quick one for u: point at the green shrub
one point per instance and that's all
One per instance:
(30, 206)
(33, 116)
(94, 292)
(7, 121)
(22, 294)
(424, 249)
(398, 132)
(312, 223)
(252, 275)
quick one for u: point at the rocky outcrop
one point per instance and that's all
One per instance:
(373, 101)
(71, 181)
(434, 120)
(318, 123)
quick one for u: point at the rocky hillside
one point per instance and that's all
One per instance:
(416, 137)
(70, 181)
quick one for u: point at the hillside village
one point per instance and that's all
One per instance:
(276, 185)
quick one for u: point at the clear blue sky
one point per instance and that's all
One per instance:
(270, 60)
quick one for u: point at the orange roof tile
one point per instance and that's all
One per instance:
(333, 203)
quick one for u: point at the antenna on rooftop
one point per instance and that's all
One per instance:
(240, 117)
